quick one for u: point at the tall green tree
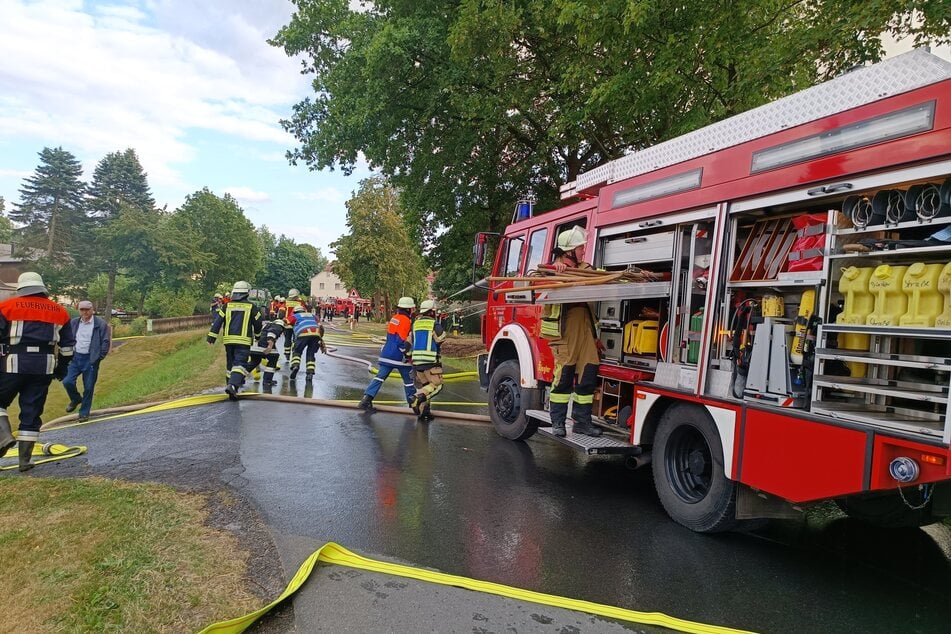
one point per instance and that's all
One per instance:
(290, 265)
(119, 186)
(379, 257)
(52, 206)
(52, 212)
(6, 227)
(223, 234)
(466, 105)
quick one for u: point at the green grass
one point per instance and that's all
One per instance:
(92, 555)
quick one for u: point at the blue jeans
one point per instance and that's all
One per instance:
(81, 365)
(385, 368)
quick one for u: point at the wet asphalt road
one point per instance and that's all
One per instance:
(459, 499)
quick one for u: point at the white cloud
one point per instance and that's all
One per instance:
(319, 236)
(8, 173)
(324, 194)
(120, 77)
(246, 194)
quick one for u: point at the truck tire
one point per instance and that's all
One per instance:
(886, 510)
(688, 471)
(508, 402)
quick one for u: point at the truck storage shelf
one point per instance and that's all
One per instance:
(602, 292)
(606, 443)
(886, 358)
(882, 388)
(910, 224)
(880, 416)
(895, 253)
(811, 281)
(900, 331)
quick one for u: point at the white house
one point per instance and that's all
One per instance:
(326, 284)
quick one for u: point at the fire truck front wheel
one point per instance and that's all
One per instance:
(508, 402)
(688, 471)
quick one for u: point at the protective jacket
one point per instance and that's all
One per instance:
(396, 345)
(426, 337)
(241, 321)
(305, 325)
(35, 335)
(269, 333)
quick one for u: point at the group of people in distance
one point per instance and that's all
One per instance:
(250, 337)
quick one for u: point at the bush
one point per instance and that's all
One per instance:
(163, 302)
(137, 327)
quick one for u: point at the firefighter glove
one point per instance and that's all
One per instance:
(62, 367)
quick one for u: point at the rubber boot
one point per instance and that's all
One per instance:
(294, 370)
(366, 404)
(232, 392)
(558, 413)
(26, 452)
(6, 436)
(583, 424)
(309, 377)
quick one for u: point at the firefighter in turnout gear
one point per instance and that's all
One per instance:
(240, 322)
(36, 341)
(308, 337)
(262, 353)
(426, 337)
(394, 354)
(571, 334)
(292, 301)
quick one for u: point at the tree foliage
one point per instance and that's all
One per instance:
(220, 231)
(378, 256)
(52, 207)
(467, 105)
(123, 209)
(290, 265)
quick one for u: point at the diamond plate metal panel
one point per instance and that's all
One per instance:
(900, 74)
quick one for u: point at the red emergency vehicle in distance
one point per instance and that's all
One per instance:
(798, 348)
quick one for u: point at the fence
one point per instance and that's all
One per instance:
(174, 324)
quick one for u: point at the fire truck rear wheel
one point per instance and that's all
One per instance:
(508, 402)
(688, 471)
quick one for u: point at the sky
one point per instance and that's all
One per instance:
(192, 86)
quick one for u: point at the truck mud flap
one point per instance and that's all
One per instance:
(603, 444)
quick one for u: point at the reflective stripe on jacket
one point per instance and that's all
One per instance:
(35, 330)
(241, 322)
(305, 325)
(427, 335)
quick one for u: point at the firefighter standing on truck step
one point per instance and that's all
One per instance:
(241, 323)
(36, 341)
(426, 336)
(571, 334)
(308, 337)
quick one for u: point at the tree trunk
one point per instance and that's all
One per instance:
(52, 230)
(142, 305)
(110, 294)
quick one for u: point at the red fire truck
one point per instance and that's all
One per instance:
(797, 346)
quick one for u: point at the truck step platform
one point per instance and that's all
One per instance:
(606, 443)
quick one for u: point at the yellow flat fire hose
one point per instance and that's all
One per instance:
(51, 451)
(332, 553)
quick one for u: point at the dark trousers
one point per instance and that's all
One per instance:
(240, 372)
(306, 347)
(32, 390)
(81, 366)
(288, 342)
(236, 356)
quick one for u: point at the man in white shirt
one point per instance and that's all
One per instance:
(92, 346)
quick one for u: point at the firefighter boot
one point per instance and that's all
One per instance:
(294, 370)
(26, 452)
(6, 436)
(232, 392)
(558, 413)
(583, 424)
(366, 404)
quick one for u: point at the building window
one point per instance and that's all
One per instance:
(321, 286)
(336, 287)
